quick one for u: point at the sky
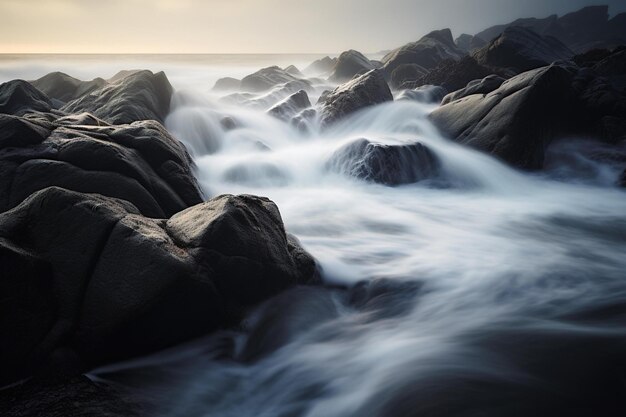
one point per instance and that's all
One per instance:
(251, 26)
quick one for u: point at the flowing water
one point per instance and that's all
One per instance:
(486, 292)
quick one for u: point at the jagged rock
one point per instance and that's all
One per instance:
(423, 94)
(521, 49)
(406, 73)
(469, 43)
(517, 121)
(321, 66)
(303, 120)
(227, 84)
(129, 97)
(428, 52)
(290, 106)
(265, 79)
(62, 87)
(349, 64)
(140, 163)
(18, 97)
(293, 70)
(484, 86)
(87, 280)
(365, 90)
(385, 164)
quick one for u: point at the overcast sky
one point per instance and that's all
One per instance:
(251, 26)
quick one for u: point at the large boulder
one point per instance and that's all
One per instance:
(19, 97)
(481, 86)
(227, 84)
(62, 87)
(265, 79)
(363, 91)
(427, 52)
(140, 163)
(517, 121)
(349, 64)
(289, 107)
(521, 49)
(385, 164)
(86, 279)
(406, 73)
(128, 97)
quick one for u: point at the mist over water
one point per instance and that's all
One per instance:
(486, 291)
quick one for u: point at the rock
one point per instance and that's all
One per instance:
(349, 64)
(406, 73)
(269, 98)
(78, 396)
(385, 164)
(424, 94)
(622, 179)
(365, 90)
(469, 43)
(129, 97)
(227, 84)
(81, 119)
(591, 57)
(140, 163)
(265, 79)
(303, 121)
(484, 86)
(453, 75)
(521, 49)
(19, 97)
(89, 276)
(228, 123)
(428, 52)
(321, 66)
(613, 66)
(517, 121)
(62, 87)
(290, 106)
(293, 70)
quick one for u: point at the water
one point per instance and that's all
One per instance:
(487, 292)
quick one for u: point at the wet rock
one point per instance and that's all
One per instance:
(385, 164)
(265, 79)
(91, 277)
(406, 73)
(521, 49)
(128, 97)
(484, 86)
(18, 97)
(423, 94)
(303, 120)
(62, 87)
(290, 106)
(349, 64)
(321, 66)
(365, 90)
(427, 52)
(293, 70)
(452, 75)
(140, 163)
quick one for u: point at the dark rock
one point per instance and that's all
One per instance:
(521, 49)
(228, 123)
(130, 97)
(469, 43)
(517, 121)
(77, 396)
(81, 119)
(622, 179)
(140, 163)
(227, 84)
(484, 86)
(365, 90)
(90, 277)
(60, 86)
(303, 120)
(591, 57)
(424, 94)
(349, 64)
(613, 66)
(428, 52)
(18, 97)
(406, 73)
(290, 106)
(265, 79)
(385, 164)
(452, 75)
(321, 66)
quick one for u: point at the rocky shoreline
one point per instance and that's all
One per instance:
(109, 250)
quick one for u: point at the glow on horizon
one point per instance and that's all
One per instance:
(250, 26)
